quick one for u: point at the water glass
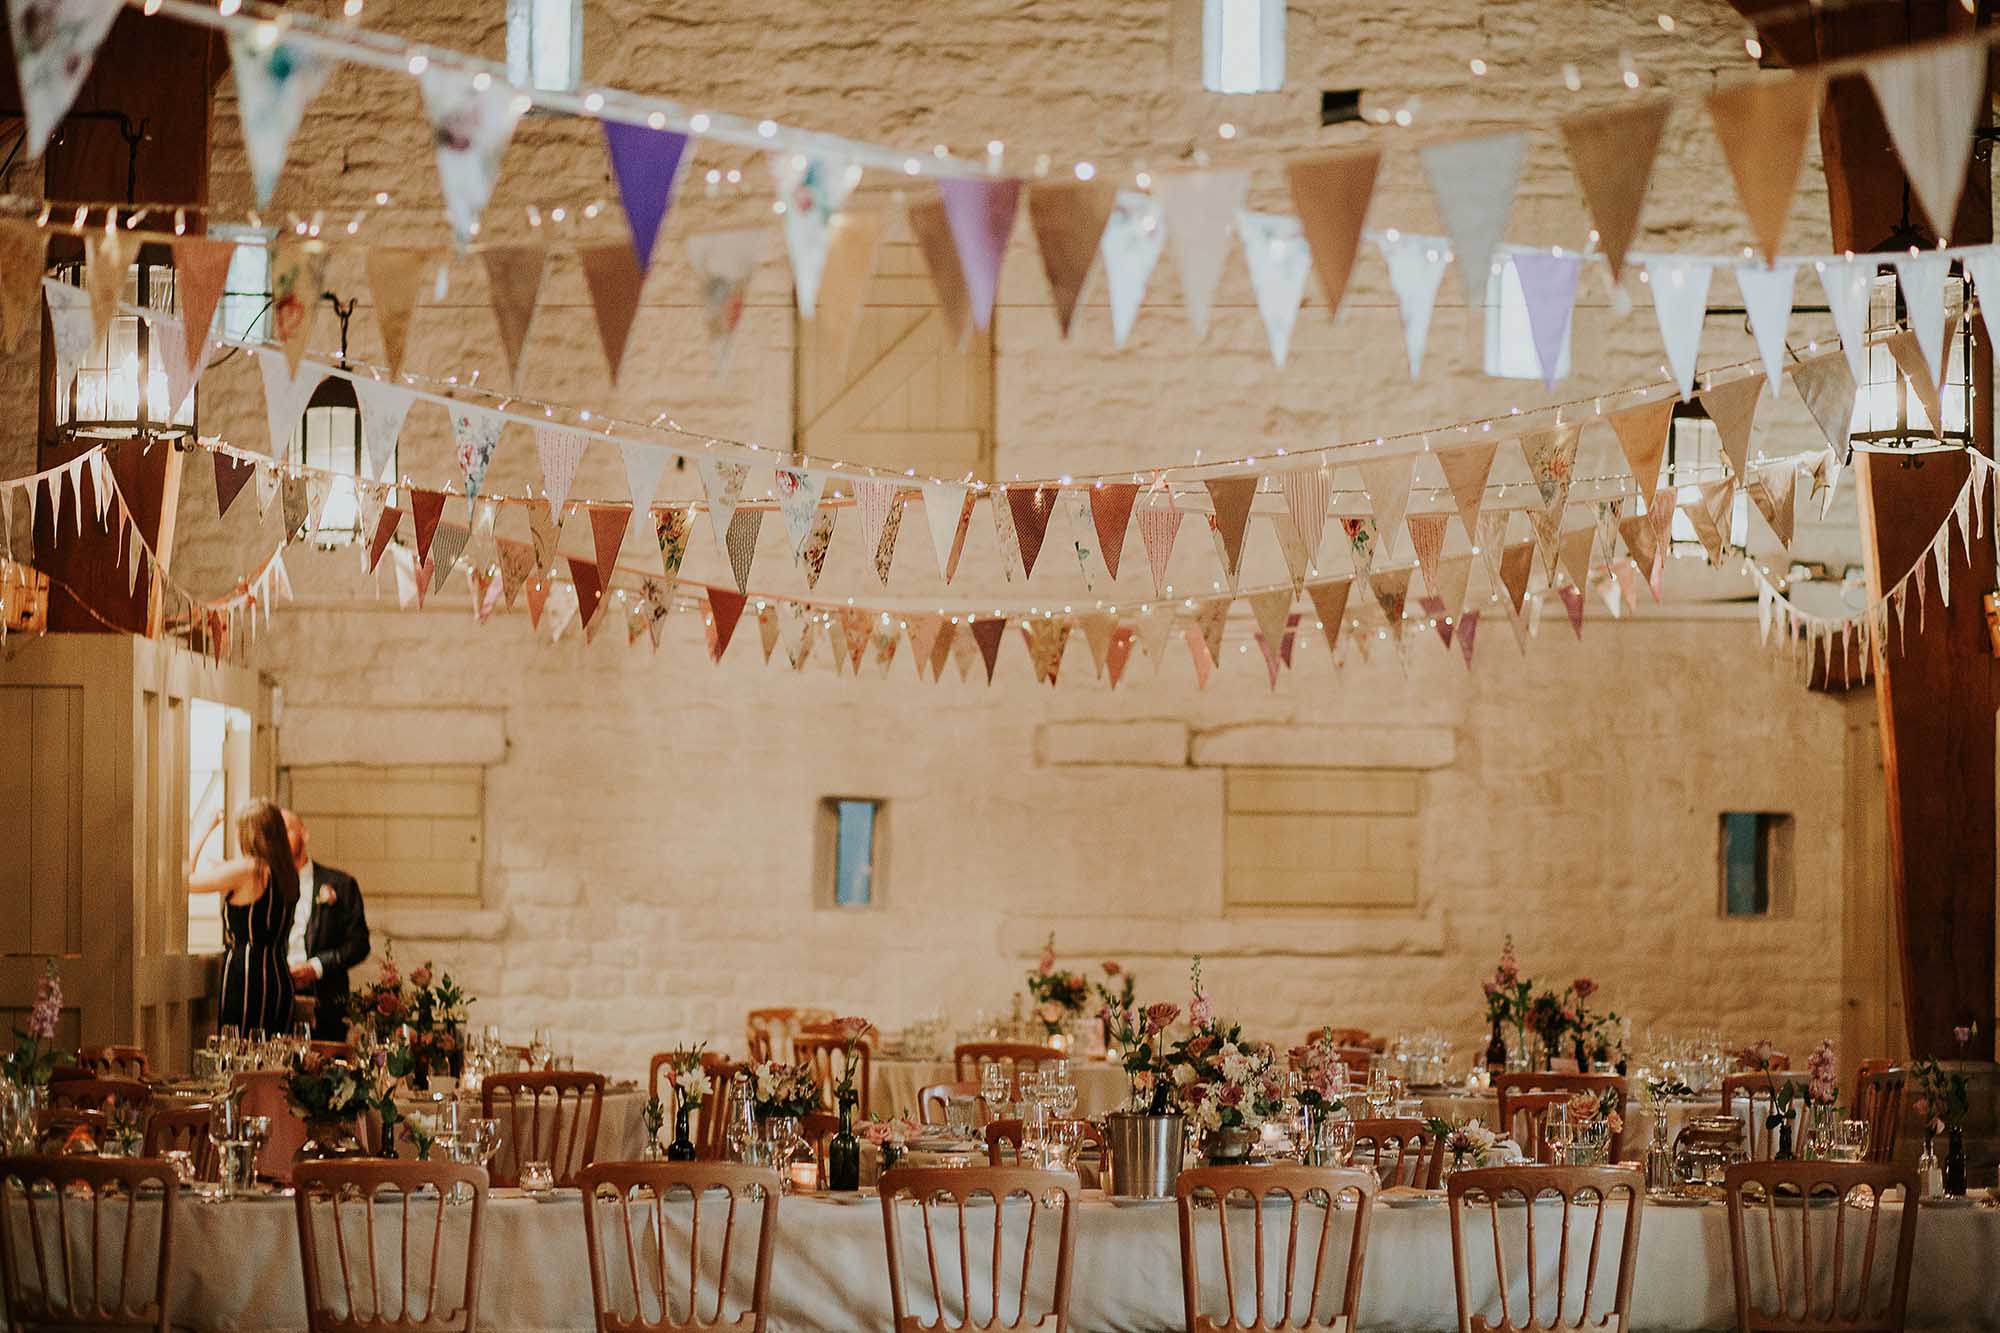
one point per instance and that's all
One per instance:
(993, 1089)
(182, 1161)
(1850, 1141)
(537, 1179)
(541, 1049)
(236, 1167)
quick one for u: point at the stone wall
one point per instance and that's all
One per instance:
(649, 826)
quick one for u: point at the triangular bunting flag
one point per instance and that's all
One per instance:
(426, 508)
(799, 491)
(670, 530)
(1767, 296)
(722, 483)
(724, 263)
(981, 212)
(1201, 210)
(725, 608)
(1848, 282)
(1909, 359)
(445, 550)
(1158, 523)
(1474, 182)
(1271, 609)
(472, 118)
(932, 232)
(880, 516)
(231, 475)
(385, 530)
(613, 278)
(1329, 601)
(1732, 406)
(1551, 456)
(275, 80)
(476, 431)
(1392, 591)
(1119, 653)
(646, 163)
(1710, 514)
(1466, 469)
(851, 242)
(384, 408)
(1828, 388)
(284, 395)
(643, 466)
(607, 533)
(811, 189)
(1097, 629)
(201, 271)
(1133, 238)
(70, 326)
(987, 634)
(1111, 515)
(1922, 278)
(741, 544)
(1930, 98)
(1642, 435)
(1680, 304)
(1331, 194)
(1029, 507)
(1763, 126)
(1068, 217)
(298, 280)
(1576, 548)
(395, 275)
(559, 451)
(1232, 497)
(1274, 245)
(1307, 491)
(1548, 285)
(1427, 538)
(1516, 563)
(109, 255)
(55, 44)
(948, 509)
(1387, 481)
(514, 279)
(1611, 149)
(1416, 268)
(1771, 489)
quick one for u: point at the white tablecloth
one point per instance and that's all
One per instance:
(1100, 1085)
(238, 1267)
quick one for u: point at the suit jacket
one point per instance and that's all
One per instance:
(337, 935)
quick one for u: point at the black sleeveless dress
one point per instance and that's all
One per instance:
(256, 982)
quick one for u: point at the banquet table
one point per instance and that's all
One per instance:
(1457, 1105)
(238, 1266)
(894, 1085)
(621, 1125)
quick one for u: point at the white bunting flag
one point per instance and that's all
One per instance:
(470, 128)
(1922, 277)
(1130, 248)
(948, 510)
(1847, 283)
(1275, 247)
(1416, 268)
(1767, 295)
(1388, 484)
(724, 263)
(55, 43)
(71, 325)
(384, 408)
(1930, 98)
(1201, 209)
(643, 465)
(1680, 303)
(811, 189)
(1474, 181)
(275, 79)
(799, 491)
(559, 451)
(722, 483)
(285, 395)
(1307, 491)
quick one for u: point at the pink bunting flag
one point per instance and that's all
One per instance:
(1158, 522)
(981, 212)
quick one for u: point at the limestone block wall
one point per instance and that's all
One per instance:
(649, 818)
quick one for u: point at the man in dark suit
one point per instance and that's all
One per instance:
(329, 934)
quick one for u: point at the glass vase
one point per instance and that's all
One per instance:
(682, 1148)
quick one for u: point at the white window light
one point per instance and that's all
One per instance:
(1510, 340)
(1243, 46)
(545, 44)
(246, 291)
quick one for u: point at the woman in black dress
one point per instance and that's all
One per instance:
(260, 891)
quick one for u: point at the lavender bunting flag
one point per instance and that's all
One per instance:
(1548, 284)
(647, 163)
(981, 213)
(470, 129)
(275, 79)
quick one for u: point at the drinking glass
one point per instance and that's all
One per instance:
(229, 1039)
(993, 1089)
(254, 1130)
(537, 1178)
(1334, 1141)
(1850, 1141)
(302, 1035)
(182, 1161)
(1381, 1095)
(224, 1129)
(541, 1049)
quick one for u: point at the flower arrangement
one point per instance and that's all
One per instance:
(691, 1082)
(329, 1090)
(1119, 988)
(427, 1007)
(1822, 1075)
(1507, 993)
(1225, 1082)
(653, 1115)
(1320, 1070)
(1144, 1052)
(420, 1130)
(1591, 1108)
(1943, 1099)
(1059, 996)
(1553, 1018)
(1466, 1145)
(1758, 1058)
(781, 1090)
(34, 1058)
(1598, 1036)
(890, 1136)
(852, 1033)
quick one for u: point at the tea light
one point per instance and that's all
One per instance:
(804, 1175)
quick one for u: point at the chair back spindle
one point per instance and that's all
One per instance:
(547, 1116)
(632, 1222)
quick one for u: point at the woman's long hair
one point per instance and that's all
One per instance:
(260, 832)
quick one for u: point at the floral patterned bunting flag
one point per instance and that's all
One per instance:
(476, 431)
(275, 80)
(471, 125)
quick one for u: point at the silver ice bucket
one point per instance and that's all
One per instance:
(1145, 1154)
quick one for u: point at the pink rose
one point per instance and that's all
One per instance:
(852, 1030)
(1160, 1016)
(420, 976)
(1111, 969)
(1584, 988)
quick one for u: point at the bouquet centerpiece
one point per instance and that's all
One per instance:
(425, 1012)
(692, 1086)
(1145, 1054)
(330, 1095)
(890, 1137)
(1507, 993)
(1321, 1073)
(1119, 988)
(1228, 1086)
(1059, 996)
(783, 1091)
(1467, 1145)
(33, 1060)
(853, 1033)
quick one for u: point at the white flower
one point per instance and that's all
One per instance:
(767, 1082)
(694, 1084)
(1183, 1075)
(1211, 1115)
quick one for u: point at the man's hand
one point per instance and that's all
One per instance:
(303, 975)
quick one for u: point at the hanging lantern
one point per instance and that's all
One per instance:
(1893, 415)
(329, 438)
(119, 390)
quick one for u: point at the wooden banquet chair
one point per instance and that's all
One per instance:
(1526, 1121)
(1512, 1085)
(389, 1286)
(1818, 1286)
(109, 1095)
(980, 1245)
(827, 1054)
(968, 1058)
(1306, 1299)
(1586, 1192)
(1879, 1100)
(1754, 1092)
(937, 1096)
(711, 1119)
(1400, 1151)
(549, 1116)
(115, 1062)
(54, 1208)
(770, 1031)
(636, 1287)
(184, 1129)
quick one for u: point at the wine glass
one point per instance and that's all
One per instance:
(254, 1131)
(541, 1049)
(993, 1089)
(1380, 1094)
(302, 1035)
(229, 1039)
(224, 1129)
(1850, 1141)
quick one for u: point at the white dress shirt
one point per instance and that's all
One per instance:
(295, 948)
